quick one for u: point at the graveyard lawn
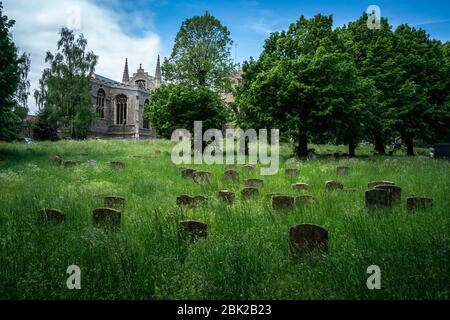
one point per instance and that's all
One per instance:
(246, 252)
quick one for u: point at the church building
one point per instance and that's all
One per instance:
(120, 105)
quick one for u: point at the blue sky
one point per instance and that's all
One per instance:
(250, 22)
(141, 29)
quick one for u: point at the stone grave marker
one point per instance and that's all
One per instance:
(226, 196)
(300, 186)
(193, 229)
(187, 173)
(106, 216)
(55, 160)
(249, 192)
(92, 163)
(231, 175)
(51, 215)
(333, 185)
(248, 167)
(202, 176)
(255, 183)
(394, 192)
(185, 200)
(114, 202)
(117, 164)
(378, 199)
(282, 202)
(305, 239)
(418, 203)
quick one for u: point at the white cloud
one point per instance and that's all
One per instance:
(38, 23)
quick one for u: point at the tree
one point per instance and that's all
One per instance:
(64, 86)
(13, 82)
(178, 106)
(201, 54)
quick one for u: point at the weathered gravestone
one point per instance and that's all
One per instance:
(373, 184)
(395, 192)
(291, 172)
(304, 200)
(51, 215)
(333, 185)
(342, 170)
(193, 229)
(117, 164)
(185, 200)
(226, 196)
(55, 160)
(114, 202)
(300, 186)
(230, 167)
(248, 167)
(231, 175)
(249, 192)
(282, 202)
(106, 216)
(305, 239)
(187, 173)
(202, 176)
(418, 203)
(255, 183)
(199, 200)
(378, 199)
(71, 163)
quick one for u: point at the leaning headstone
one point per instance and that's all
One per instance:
(185, 200)
(300, 186)
(51, 215)
(249, 192)
(71, 163)
(231, 175)
(202, 176)
(342, 170)
(193, 229)
(418, 203)
(394, 192)
(378, 199)
(255, 183)
(282, 202)
(106, 216)
(226, 196)
(114, 202)
(55, 160)
(292, 172)
(304, 200)
(187, 173)
(117, 164)
(373, 184)
(305, 239)
(333, 185)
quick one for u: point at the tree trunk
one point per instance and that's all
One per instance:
(302, 148)
(379, 144)
(409, 146)
(351, 148)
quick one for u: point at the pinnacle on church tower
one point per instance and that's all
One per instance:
(158, 71)
(126, 75)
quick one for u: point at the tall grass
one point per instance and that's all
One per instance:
(246, 253)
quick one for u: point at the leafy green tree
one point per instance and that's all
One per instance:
(178, 106)
(201, 54)
(64, 87)
(13, 82)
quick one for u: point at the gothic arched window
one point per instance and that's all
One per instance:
(100, 106)
(121, 109)
(145, 122)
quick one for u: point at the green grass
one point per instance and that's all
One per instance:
(246, 253)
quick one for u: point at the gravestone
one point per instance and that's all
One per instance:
(249, 192)
(230, 167)
(304, 200)
(305, 239)
(185, 200)
(202, 176)
(92, 163)
(373, 184)
(55, 160)
(117, 164)
(395, 192)
(187, 173)
(291, 172)
(255, 183)
(378, 199)
(418, 203)
(333, 185)
(199, 200)
(300, 186)
(231, 175)
(51, 215)
(282, 202)
(193, 229)
(114, 202)
(248, 167)
(342, 170)
(71, 163)
(106, 216)
(226, 196)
